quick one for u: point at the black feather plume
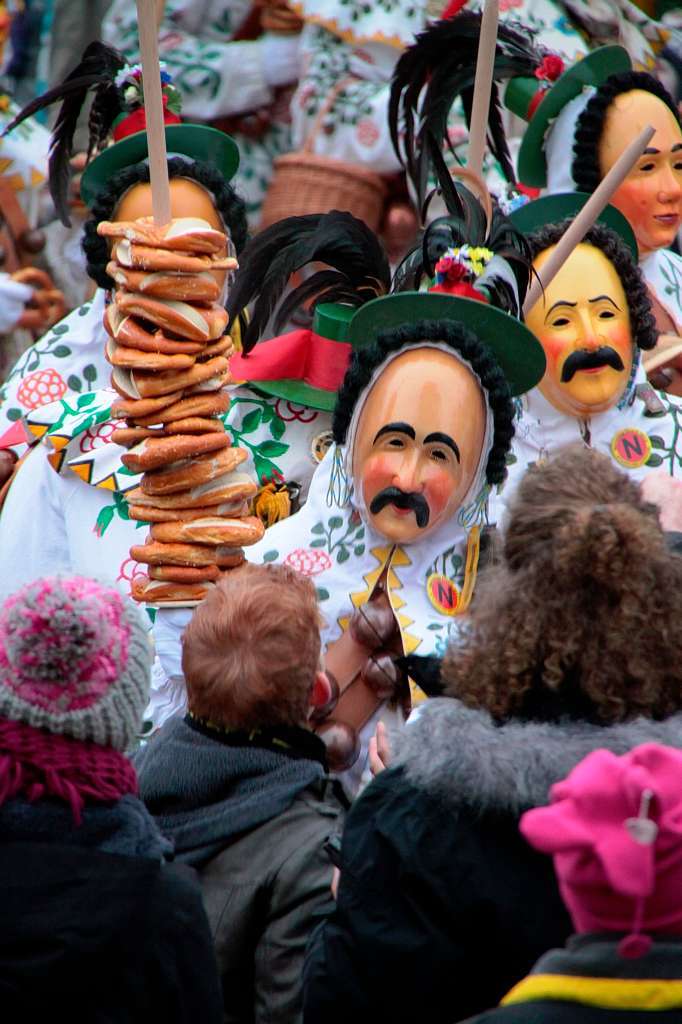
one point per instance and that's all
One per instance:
(355, 270)
(95, 74)
(425, 670)
(437, 69)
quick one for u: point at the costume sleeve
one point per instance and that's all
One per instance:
(301, 894)
(32, 528)
(216, 77)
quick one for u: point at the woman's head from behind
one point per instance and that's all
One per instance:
(583, 615)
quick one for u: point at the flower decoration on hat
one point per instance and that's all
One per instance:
(458, 270)
(128, 81)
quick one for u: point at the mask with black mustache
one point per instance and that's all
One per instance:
(402, 499)
(590, 359)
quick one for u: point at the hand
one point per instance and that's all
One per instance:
(336, 878)
(379, 750)
(663, 490)
(7, 461)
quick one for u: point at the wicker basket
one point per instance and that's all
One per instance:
(304, 182)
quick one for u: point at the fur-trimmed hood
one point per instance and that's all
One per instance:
(460, 754)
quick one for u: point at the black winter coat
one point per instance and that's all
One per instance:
(594, 963)
(442, 906)
(94, 937)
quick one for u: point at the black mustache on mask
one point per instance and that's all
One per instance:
(402, 499)
(590, 359)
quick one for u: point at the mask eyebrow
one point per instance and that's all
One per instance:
(605, 298)
(561, 302)
(651, 152)
(445, 439)
(395, 428)
(676, 148)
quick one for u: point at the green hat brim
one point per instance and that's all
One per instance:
(593, 69)
(298, 392)
(563, 205)
(196, 141)
(516, 349)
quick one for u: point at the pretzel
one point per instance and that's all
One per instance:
(200, 287)
(229, 558)
(128, 331)
(159, 592)
(155, 553)
(191, 473)
(136, 359)
(146, 408)
(228, 486)
(222, 347)
(139, 384)
(142, 257)
(129, 436)
(184, 573)
(181, 234)
(154, 452)
(150, 514)
(189, 322)
(211, 530)
(195, 425)
(46, 306)
(192, 405)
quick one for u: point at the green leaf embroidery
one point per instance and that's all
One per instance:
(271, 556)
(322, 594)
(335, 523)
(90, 373)
(343, 555)
(317, 529)
(359, 549)
(654, 460)
(656, 442)
(13, 414)
(273, 448)
(251, 421)
(85, 399)
(277, 427)
(59, 330)
(319, 542)
(104, 520)
(61, 351)
(74, 382)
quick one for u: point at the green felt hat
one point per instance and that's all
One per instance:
(196, 141)
(553, 209)
(516, 349)
(331, 320)
(593, 70)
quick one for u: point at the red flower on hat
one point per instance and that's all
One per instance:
(552, 67)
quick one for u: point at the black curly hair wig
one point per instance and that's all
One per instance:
(616, 251)
(229, 205)
(585, 170)
(460, 338)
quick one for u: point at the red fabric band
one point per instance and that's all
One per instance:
(36, 764)
(536, 101)
(298, 355)
(137, 122)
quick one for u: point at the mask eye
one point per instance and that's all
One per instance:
(561, 321)
(395, 442)
(438, 455)
(647, 167)
(606, 314)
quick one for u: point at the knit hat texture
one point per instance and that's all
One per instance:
(75, 659)
(614, 828)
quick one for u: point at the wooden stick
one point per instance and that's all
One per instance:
(483, 82)
(160, 4)
(153, 106)
(587, 216)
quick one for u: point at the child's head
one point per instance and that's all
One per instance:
(614, 828)
(251, 653)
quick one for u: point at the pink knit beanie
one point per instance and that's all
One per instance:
(75, 659)
(614, 827)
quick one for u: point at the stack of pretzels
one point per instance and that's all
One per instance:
(169, 358)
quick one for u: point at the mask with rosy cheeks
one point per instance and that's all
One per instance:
(187, 198)
(583, 324)
(418, 443)
(651, 195)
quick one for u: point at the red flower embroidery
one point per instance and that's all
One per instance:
(40, 388)
(288, 412)
(307, 561)
(131, 570)
(508, 5)
(97, 437)
(367, 132)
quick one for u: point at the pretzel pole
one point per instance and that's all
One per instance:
(483, 81)
(587, 216)
(153, 105)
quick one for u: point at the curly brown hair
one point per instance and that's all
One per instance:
(583, 616)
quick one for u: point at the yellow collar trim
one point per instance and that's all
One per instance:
(606, 993)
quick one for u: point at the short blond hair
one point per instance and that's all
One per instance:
(252, 649)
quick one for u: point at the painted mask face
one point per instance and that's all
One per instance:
(583, 324)
(651, 195)
(188, 199)
(418, 443)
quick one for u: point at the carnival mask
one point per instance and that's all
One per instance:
(418, 443)
(583, 323)
(187, 199)
(651, 195)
